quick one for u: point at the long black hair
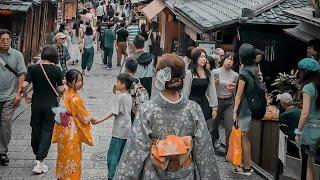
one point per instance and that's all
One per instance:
(306, 77)
(72, 76)
(195, 55)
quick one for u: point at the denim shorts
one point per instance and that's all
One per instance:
(311, 132)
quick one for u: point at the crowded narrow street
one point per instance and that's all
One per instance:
(159, 89)
(98, 95)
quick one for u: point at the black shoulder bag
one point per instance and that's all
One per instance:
(8, 67)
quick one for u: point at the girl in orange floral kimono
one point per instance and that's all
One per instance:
(70, 139)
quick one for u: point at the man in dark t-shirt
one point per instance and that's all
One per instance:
(122, 38)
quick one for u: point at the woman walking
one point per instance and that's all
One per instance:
(88, 51)
(43, 99)
(168, 114)
(241, 110)
(76, 39)
(225, 79)
(308, 132)
(199, 85)
(70, 138)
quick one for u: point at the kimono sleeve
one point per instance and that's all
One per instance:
(203, 152)
(77, 109)
(137, 148)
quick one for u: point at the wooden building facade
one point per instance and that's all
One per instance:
(30, 22)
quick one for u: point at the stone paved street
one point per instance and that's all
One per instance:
(97, 93)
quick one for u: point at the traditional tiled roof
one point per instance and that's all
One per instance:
(15, 5)
(276, 14)
(209, 13)
(303, 14)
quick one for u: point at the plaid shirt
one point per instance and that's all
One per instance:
(63, 56)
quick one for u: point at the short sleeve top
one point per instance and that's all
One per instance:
(122, 112)
(311, 90)
(88, 41)
(43, 94)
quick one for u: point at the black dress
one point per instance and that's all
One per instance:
(198, 94)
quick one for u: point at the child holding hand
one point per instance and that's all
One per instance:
(122, 122)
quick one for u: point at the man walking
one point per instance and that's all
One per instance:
(12, 70)
(122, 34)
(100, 12)
(133, 30)
(145, 64)
(107, 43)
(63, 53)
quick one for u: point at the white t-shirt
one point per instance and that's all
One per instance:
(225, 77)
(100, 10)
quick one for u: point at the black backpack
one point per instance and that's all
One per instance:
(256, 98)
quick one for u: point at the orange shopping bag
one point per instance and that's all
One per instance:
(234, 155)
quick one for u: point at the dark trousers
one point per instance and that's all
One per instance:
(100, 18)
(87, 58)
(146, 82)
(107, 59)
(42, 123)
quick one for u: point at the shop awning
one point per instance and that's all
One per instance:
(304, 32)
(152, 9)
(137, 1)
(6, 6)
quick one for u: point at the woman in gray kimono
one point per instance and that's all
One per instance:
(168, 113)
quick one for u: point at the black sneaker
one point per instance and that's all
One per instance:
(4, 160)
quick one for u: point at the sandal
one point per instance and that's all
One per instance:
(242, 171)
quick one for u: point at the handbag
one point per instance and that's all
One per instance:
(234, 155)
(62, 116)
(172, 153)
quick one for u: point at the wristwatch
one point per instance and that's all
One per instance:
(297, 131)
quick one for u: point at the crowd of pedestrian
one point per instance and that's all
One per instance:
(172, 134)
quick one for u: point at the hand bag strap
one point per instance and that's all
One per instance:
(7, 66)
(45, 74)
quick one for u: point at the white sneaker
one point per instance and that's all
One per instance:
(40, 168)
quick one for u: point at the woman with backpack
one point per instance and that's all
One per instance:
(308, 132)
(242, 114)
(169, 117)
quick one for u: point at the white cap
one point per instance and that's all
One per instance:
(285, 97)
(60, 35)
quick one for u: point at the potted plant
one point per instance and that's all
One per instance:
(287, 83)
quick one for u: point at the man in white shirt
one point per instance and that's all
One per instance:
(100, 12)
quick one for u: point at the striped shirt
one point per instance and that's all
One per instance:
(133, 32)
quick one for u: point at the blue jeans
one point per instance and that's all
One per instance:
(108, 53)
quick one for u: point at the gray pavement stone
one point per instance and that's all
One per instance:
(97, 93)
